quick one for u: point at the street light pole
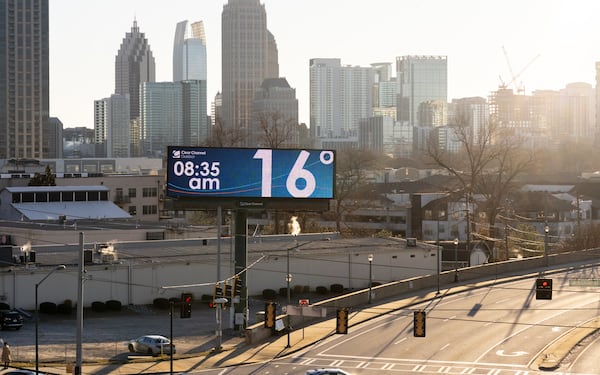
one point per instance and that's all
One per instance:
(370, 275)
(546, 230)
(288, 280)
(37, 319)
(455, 259)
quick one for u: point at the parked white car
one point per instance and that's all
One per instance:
(151, 345)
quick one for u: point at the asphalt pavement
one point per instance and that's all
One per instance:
(195, 339)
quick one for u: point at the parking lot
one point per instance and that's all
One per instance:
(106, 334)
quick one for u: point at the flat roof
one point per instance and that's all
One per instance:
(37, 189)
(72, 210)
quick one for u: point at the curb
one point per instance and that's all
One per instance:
(551, 357)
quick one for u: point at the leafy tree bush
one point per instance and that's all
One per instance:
(98, 306)
(113, 305)
(48, 308)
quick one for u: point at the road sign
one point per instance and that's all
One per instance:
(314, 311)
(543, 289)
(303, 302)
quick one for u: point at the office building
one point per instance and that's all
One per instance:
(275, 114)
(172, 113)
(134, 64)
(249, 56)
(340, 96)
(420, 79)
(189, 52)
(24, 79)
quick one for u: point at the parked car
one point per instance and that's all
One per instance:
(327, 371)
(151, 345)
(11, 319)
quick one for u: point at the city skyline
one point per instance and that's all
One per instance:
(555, 40)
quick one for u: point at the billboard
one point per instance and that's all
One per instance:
(207, 172)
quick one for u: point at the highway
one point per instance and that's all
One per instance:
(498, 330)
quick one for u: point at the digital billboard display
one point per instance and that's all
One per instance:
(203, 172)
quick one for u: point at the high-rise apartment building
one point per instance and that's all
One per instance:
(53, 142)
(420, 79)
(189, 52)
(134, 64)
(172, 113)
(24, 78)
(578, 113)
(249, 55)
(112, 129)
(340, 96)
(472, 113)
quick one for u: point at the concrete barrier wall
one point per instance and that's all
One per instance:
(360, 298)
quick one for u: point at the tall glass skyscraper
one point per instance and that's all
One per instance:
(24, 78)
(249, 55)
(189, 52)
(134, 64)
(172, 113)
(420, 79)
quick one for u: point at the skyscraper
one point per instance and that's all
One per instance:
(420, 79)
(172, 113)
(189, 52)
(134, 64)
(249, 55)
(275, 113)
(340, 96)
(112, 126)
(24, 78)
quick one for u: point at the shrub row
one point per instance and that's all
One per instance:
(111, 305)
(269, 294)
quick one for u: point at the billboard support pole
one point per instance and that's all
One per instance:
(241, 260)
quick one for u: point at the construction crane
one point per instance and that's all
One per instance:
(514, 77)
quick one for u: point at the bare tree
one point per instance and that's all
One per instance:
(351, 179)
(225, 136)
(486, 163)
(275, 130)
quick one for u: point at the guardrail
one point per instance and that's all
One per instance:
(360, 298)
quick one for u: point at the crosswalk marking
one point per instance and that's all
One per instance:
(412, 366)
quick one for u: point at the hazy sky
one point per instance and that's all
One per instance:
(85, 37)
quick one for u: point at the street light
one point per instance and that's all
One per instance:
(455, 259)
(288, 280)
(37, 320)
(546, 230)
(370, 274)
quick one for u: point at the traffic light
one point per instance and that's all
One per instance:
(341, 321)
(270, 314)
(543, 289)
(186, 305)
(419, 323)
(217, 293)
(228, 294)
(237, 287)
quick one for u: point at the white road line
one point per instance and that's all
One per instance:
(450, 318)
